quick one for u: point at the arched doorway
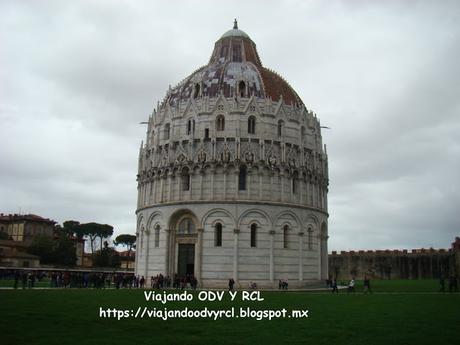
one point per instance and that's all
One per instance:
(184, 244)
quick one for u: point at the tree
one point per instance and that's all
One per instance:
(72, 228)
(127, 240)
(107, 257)
(64, 251)
(95, 231)
(105, 231)
(43, 247)
(54, 251)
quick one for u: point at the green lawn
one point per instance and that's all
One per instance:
(72, 317)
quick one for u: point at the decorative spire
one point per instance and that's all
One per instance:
(235, 24)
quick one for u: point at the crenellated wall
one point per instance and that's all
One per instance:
(396, 264)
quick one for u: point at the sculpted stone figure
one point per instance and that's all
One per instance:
(272, 160)
(249, 157)
(226, 154)
(165, 160)
(181, 158)
(202, 156)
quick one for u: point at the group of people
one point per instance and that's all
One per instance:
(331, 283)
(452, 281)
(68, 279)
(161, 282)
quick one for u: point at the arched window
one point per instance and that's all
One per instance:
(285, 236)
(310, 238)
(242, 89)
(196, 90)
(252, 125)
(253, 235)
(157, 236)
(186, 226)
(242, 178)
(185, 179)
(218, 235)
(167, 131)
(190, 127)
(294, 184)
(280, 128)
(220, 123)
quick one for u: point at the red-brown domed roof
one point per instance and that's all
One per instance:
(234, 69)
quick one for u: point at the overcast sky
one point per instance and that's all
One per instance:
(76, 78)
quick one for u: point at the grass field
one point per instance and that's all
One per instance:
(399, 312)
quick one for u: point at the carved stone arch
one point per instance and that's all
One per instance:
(140, 218)
(293, 215)
(152, 220)
(312, 221)
(255, 210)
(215, 210)
(216, 221)
(178, 215)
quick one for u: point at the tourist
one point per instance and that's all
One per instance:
(351, 285)
(17, 275)
(453, 286)
(367, 285)
(231, 282)
(334, 286)
(24, 279)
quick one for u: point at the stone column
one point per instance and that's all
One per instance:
(154, 196)
(224, 197)
(301, 189)
(199, 255)
(162, 179)
(190, 189)
(281, 186)
(170, 179)
(237, 186)
(248, 183)
(201, 184)
(261, 176)
(300, 256)
(179, 186)
(272, 257)
(212, 183)
(147, 245)
(271, 186)
(325, 260)
(167, 247)
(235, 253)
(136, 262)
(319, 258)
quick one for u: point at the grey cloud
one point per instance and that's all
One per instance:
(80, 76)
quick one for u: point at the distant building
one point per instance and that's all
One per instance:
(13, 254)
(396, 264)
(23, 228)
(17, 233)
(127, 259)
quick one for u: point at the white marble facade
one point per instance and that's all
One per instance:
(232, 178)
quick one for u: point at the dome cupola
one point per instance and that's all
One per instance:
(234, 70)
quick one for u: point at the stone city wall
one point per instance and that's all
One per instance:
(396, 264)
